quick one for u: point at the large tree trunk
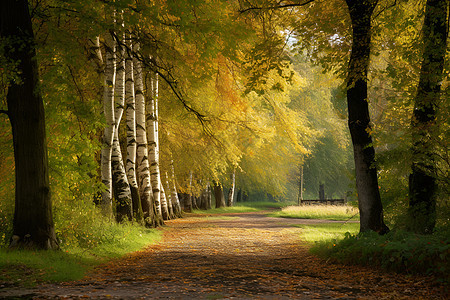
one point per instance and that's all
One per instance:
(108, 136)
(422, 181)
(131, 134)
(218, 195)
(370, 207)
(33, 223)
(152, 218)
(122, 192)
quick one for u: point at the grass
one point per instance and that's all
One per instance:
(327, 232)
(27, 268)
(242, 208)
(324, 212)
(398, 251)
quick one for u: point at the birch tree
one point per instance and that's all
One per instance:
(152, 214)
(152, 132)
(231, 192)
(175, 199)
(108, 135)
(131, 132)
(122, 192)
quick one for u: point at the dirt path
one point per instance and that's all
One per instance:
(239, 256)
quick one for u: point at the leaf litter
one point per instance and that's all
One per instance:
(251, 256)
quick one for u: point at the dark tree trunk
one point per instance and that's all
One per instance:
(218, 195)
(422, 180)
(321, 192)
(370, 207)
(239, 196)
(138, 214)
(208, 196)
(33, 223)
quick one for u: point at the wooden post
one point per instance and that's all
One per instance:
(322, 192)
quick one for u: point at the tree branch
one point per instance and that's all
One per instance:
(276, 6)
(385, 8)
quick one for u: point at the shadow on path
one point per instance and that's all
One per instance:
(238, 256)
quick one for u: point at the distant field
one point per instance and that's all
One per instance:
(243, 207)
(326, 212)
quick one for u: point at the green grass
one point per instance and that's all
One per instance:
(327, 231)
(242, 208)
(324, 212)
(27, 268)
(398, 251)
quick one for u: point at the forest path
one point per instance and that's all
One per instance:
(238, 256)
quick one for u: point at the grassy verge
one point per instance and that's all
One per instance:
(242, 208)
(396, 251)
(327, 232)
(325, 212)
(27, 268)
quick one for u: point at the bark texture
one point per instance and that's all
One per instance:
(130, 109)
(108, 135)
(33, 222)
(370, 207)
(151, 215)
(173, 189)
(153, 147)
(231, 191)
(218, 195)
(422, 181)
(122, 192)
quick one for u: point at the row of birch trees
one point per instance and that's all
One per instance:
(133, 180)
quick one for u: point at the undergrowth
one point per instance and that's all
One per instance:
(397, 251)
(81, 249)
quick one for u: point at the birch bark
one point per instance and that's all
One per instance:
(152, 131)
(175, 200)
(131, 133)
(108, 136)
(122, 192)
(231, 192)
(143, 168)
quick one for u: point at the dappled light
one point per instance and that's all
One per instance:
(220, 149)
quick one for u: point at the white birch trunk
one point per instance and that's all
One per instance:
(108, 136)
(152, 132)
(131, 133)
(175, 200)
(143, 168)
(231, 192)
(122, 192)
(167, 198)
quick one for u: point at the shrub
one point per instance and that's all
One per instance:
(398, 251)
